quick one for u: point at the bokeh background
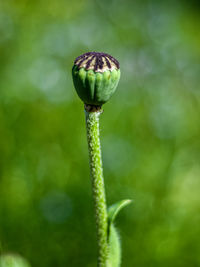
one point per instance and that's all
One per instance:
(150, 131)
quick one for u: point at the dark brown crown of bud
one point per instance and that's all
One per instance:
(98, 62)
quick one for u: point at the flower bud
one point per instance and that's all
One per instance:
(95, 76)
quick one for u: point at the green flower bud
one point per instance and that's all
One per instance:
(95, 76)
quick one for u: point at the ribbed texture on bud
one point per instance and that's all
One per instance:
(95, 76)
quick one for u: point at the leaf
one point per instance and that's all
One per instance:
(114, 257)
(115, 208)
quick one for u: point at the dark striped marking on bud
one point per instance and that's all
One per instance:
(99, 62)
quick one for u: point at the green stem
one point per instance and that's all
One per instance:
(96, 170)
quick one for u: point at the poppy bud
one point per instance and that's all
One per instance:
(95, 76)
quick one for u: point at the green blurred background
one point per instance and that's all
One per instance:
(150, 131)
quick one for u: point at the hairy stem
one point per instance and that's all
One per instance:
(96, 170)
